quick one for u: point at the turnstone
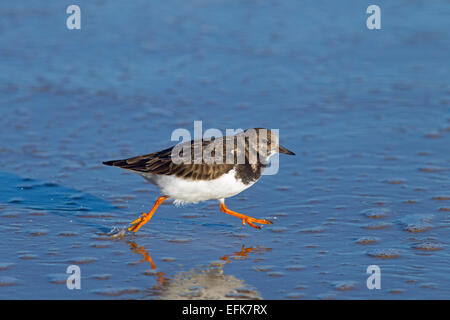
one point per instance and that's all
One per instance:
(205, 169)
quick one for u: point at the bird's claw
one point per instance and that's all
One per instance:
(251, 222)
(138, 223)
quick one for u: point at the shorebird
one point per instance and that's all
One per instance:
(206, 169)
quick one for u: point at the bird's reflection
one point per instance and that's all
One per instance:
(243, 253)
(147, 258)
(208, 282)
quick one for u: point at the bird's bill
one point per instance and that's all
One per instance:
(282, 149)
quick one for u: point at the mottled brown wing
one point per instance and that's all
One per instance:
(161, 163)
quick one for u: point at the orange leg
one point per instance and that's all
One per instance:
(145, 217)
(251, 221)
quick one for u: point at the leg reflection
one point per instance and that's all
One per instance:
(147, 258)
(207, 282)
(243, 254)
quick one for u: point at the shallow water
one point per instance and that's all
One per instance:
(367, 113)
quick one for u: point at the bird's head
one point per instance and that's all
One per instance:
(266, 142)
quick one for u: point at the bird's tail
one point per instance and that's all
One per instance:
(115, 163)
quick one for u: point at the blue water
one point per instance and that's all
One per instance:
(367, 113)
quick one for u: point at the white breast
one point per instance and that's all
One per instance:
(190, 191)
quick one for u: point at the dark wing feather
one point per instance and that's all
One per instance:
(161, 163)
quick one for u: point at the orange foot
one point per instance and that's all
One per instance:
(139, 222)
(245, 219)
(251, 222)
(145, 217)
